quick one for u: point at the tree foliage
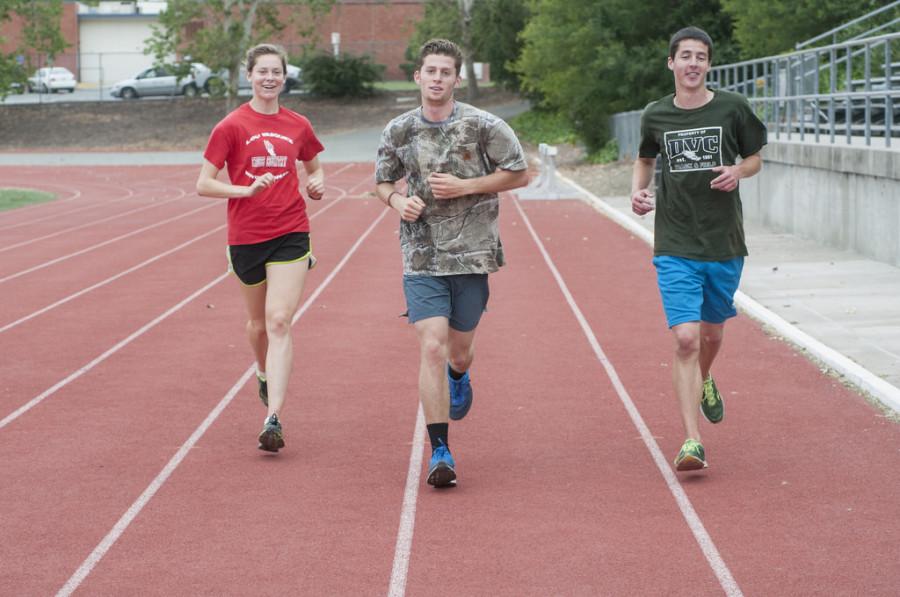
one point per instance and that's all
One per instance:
(495, 27)
(342, 76)
(588, 60)
(41, 35)
(769, 27)
(218, 33)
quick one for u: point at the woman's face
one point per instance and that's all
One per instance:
(267, 77)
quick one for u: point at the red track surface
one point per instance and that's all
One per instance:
(113, 355)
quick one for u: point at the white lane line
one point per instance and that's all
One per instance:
(76, 374)
(403, 547)
(46, 393)
(98, 205)
(94, 223)
(84, 291)
(719, 568)
(75, 194)
(104, 243)
(884, 392)
(119, 528)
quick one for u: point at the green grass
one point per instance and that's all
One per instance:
(13, 198)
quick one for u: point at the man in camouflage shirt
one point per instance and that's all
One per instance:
(455, 159)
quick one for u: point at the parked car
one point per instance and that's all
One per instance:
(212, 82)
(52, 79)
(156, 80)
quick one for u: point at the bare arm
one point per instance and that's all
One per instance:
(728, 177)
(315, 183)
(641, 175)
(209, 186)
(447, 186)
(410, 208)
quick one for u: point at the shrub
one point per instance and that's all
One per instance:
(342, 76)
(542, 126)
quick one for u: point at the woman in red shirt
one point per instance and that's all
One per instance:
(268, 228)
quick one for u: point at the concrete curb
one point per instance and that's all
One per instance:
(859, 376)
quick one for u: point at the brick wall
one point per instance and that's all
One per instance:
(11, 33)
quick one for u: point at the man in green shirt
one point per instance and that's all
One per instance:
(699, 244)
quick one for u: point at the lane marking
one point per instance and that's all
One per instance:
(403, 547)
(89, 224)
(104, 243)
(119, 528)
(76, 374)
(886, 393)
(131, 269)
(710, 552)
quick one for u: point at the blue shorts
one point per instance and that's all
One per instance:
(694, 290)
(460, 298)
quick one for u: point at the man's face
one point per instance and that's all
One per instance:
(690, 64)
(437, 78)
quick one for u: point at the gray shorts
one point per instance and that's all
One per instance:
(460, 298)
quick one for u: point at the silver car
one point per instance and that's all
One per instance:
(156, 80)
(52, 79)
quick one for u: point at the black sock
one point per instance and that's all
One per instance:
(437, 433)
(454, 373)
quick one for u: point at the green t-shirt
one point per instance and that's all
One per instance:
(693, 220)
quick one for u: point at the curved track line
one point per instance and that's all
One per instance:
(403, 547)
(131, 269)
(103, 244)
(719, 568)
(119, 528)
(94, 223)
(46, 393)
(129, 195)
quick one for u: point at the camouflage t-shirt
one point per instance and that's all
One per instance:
(451, 236)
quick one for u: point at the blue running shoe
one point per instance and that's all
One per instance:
(460, 395)
(442, 469)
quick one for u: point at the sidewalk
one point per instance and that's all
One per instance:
(841, 307)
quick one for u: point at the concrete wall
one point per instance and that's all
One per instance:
(842, 196)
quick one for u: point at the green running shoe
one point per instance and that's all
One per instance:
(711, 404)
(691, 457)
(271, 438)
(263, 390)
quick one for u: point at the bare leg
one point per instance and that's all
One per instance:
(711, 335)
(433, 391)
(461, 349)
(285, 287)
(686, 376)
(255, 301)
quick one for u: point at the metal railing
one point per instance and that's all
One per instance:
(845, 89)
(849, 25)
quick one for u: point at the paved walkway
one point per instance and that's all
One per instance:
(842, 307)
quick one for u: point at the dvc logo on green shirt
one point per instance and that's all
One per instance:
(694, 149)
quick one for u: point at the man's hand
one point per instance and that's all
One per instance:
(410, 208)
(263, 182)
(315, 187)
(642, 202)
(447, 186)
(727, 179)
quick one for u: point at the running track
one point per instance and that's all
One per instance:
(128, 461)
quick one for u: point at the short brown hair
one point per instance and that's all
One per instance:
(695, 33)
(255, 52)
(444, 47)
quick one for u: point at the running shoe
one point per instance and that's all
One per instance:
(442, 469)
(271, 439)
(711, 404)
(691, 457)
(460, 395)
(263, 390)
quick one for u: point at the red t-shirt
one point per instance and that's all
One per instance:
(252, 144)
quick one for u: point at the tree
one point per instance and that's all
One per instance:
(40, 34)
(219, 32)
(769, 27)
(587, 59)
(486, 31)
